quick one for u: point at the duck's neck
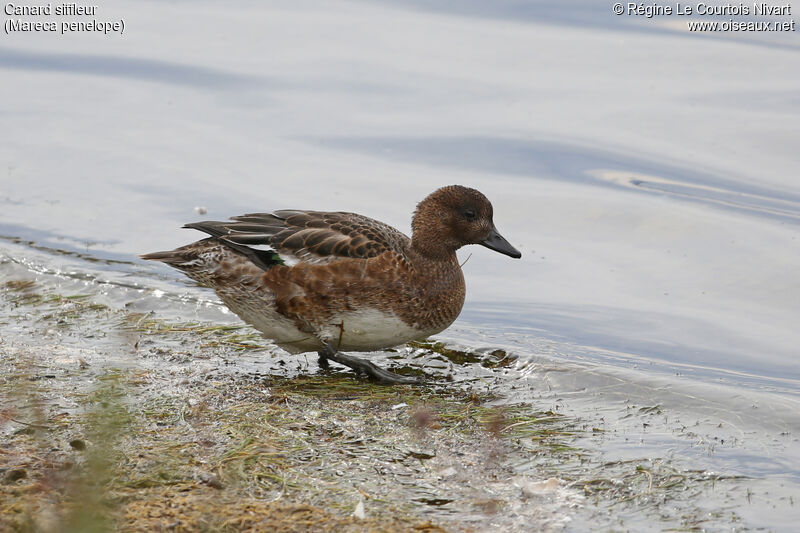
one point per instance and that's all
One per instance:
(439, 280)
(429, 235)
(433, 250)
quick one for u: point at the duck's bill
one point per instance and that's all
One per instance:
(497, 242)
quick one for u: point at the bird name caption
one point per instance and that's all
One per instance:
(700, 10)
(58, 18)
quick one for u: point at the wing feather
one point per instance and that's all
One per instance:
(306, 236)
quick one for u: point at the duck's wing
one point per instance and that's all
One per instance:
(305, 236)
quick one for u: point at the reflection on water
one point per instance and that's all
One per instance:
(122, 67)
(776, 204)
(623, 338)
(536, 159)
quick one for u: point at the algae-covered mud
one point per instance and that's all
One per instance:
(636, 370)
(120, 413)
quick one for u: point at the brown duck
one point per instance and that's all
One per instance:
(324, 282)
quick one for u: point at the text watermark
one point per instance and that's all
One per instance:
(760, 15)
(61, 18)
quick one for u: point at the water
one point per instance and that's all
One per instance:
(648, 175)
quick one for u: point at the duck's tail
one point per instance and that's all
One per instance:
(164, 257)
(208, 251)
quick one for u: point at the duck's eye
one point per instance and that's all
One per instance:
(469, 214)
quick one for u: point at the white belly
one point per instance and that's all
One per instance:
(371, 329)
(363, 330)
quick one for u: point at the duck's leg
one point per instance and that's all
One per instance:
(323, 360)
(362, 366)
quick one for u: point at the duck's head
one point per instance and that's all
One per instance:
(452, 217)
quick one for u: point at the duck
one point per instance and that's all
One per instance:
(336, 282)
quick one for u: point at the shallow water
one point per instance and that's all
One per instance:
(648, 175)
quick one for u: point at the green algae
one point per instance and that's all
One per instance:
(493, 359)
